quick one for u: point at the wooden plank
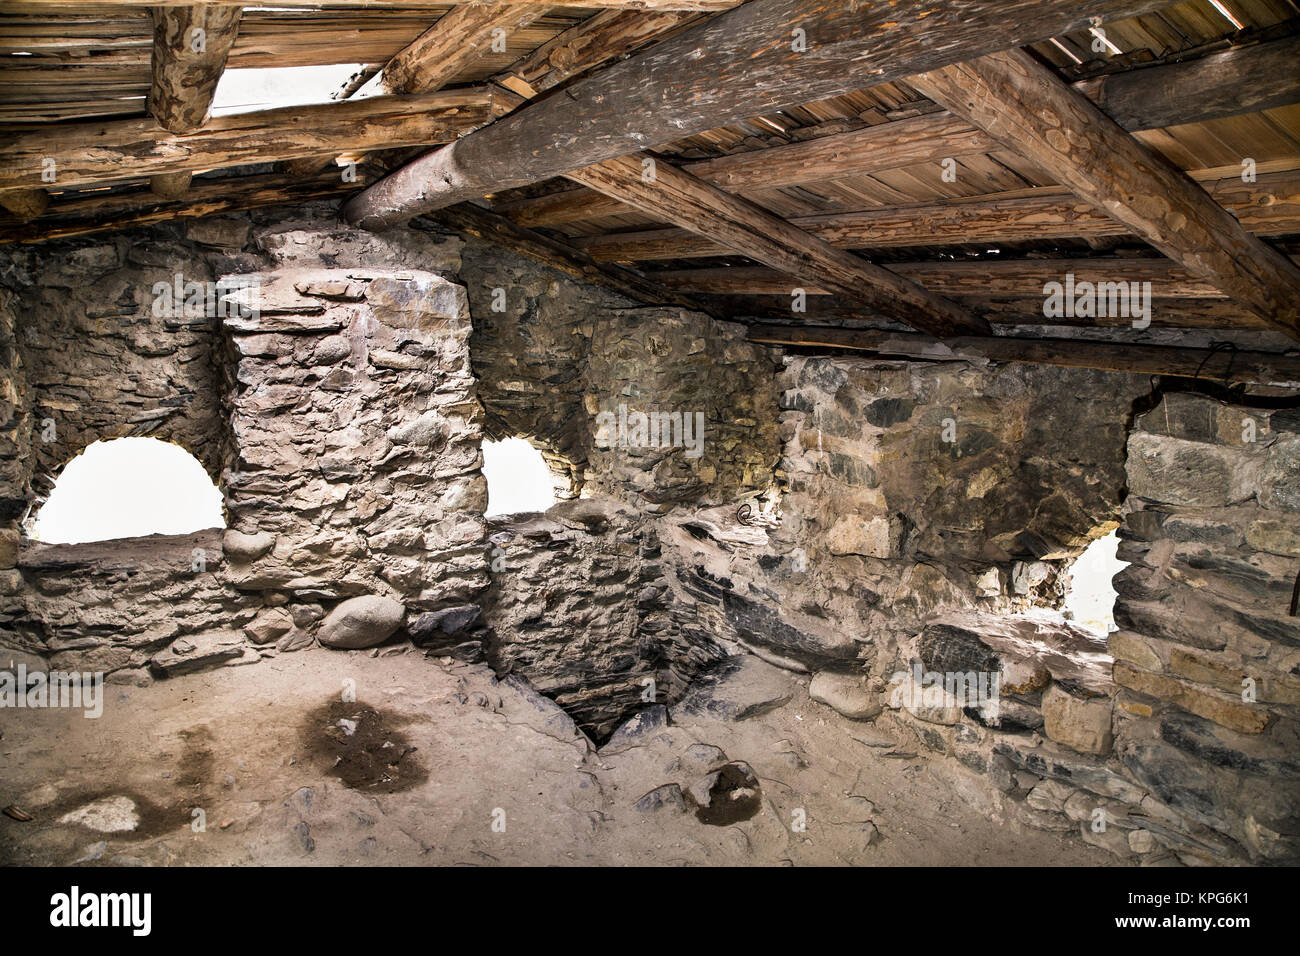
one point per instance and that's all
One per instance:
(91, 153)
(737, 65)
(1268, 207)
(668, 193)
(190, 47)
(169, 185)
(1213, 87)
(473, 220)
(1225, 366)
(1024, 105)
(993, 278)
(459, 38)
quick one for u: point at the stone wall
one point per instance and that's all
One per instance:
(337, 411)
(1208, 654)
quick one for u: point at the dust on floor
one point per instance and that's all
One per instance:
(330, 758)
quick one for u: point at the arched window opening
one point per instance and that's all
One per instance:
(128, 488)
(518, 478)
(1089, 596)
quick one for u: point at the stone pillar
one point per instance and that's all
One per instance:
(358, 431)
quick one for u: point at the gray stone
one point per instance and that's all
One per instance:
(845, 693)
(242, 548)
(361, 622)
(269, 625)
(737, 689)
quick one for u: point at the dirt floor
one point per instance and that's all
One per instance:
(438, 763)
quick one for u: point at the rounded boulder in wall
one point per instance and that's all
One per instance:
(361, 622)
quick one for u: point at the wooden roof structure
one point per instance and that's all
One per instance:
(927, 165)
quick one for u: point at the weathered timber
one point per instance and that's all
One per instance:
(1268, 207)
(1025, 106)
(1212, 87)
(460, 37)
(86, 215)
(668, 193)
(1236, 368)
(730, 67)
(190, 47)
(91, 153)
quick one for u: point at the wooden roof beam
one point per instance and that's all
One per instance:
(92, 153)
(190, 47)
(730, 67)
(1234, 368)
(661, 190)
(1268, 207)
(1025, 106)
(1236, 81)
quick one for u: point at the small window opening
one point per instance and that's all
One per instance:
(272, 87)
(129, 488)
(518, 478)
(1090, 597)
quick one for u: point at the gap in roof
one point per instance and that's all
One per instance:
(242, 91)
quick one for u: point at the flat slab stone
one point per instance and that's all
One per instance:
(737, 688)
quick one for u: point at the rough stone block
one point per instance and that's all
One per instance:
(1080, 723)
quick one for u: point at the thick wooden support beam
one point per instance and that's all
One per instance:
(1007, 278)
(190, 47)
(475, 221)
(86, 215)
(666, 192)
(90, 153)
(1026, 107)
(1248, 368)
(1213, 87)
(737, 65)
(1267, 207)
(460, 37)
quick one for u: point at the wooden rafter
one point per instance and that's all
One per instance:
(666, 192)
(1240, 367)
(1268, 207)
(1213, 87)
(92, 153)
(1025, 106)
(730, 67)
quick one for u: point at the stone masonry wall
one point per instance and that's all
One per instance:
(1208, 654)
